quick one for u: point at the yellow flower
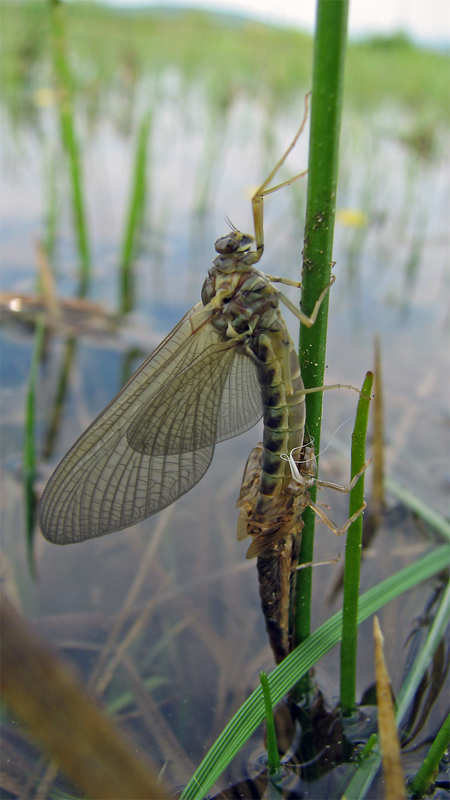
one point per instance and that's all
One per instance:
(351, 217)
(44, 97)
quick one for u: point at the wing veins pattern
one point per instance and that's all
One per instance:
(158, 417)
(202, 387)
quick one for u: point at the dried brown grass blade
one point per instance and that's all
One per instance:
(387, 729)
(64, 720)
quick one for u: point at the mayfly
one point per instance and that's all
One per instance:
(228, 362)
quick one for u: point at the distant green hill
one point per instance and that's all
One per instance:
(110, 48)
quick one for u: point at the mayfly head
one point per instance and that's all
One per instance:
(234, 242)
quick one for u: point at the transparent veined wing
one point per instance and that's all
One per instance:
(156, 438)
(213, 399)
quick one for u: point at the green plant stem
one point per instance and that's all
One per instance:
(135, 217)
(326, 104)
(70, 143)
(426, 774)
(29, 445)
(352, 569)
(52, 212)
(273, 756)
(58, 403)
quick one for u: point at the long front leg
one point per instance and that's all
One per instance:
(262, 191)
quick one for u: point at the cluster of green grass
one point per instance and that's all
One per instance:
(110, 48)
(395, 70)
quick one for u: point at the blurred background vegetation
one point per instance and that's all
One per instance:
(127, 136)
(110, 49)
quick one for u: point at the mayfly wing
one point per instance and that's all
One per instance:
(156, 438)
(216, 397)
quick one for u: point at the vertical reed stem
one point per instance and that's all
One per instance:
(70, 142)
(328, 75)
(29, 444)
(352, 568)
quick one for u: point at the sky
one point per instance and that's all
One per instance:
(426, 21)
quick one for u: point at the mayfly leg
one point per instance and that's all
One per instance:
(258, 222)
(305, 478)
(332, 525)
(304, 319)
(306, 475)
(263, 191)
(344, 489)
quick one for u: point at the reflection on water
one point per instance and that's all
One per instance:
(163, 619)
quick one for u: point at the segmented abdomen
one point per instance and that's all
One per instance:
(284, 417)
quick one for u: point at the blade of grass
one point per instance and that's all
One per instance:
(352, 568)
(442, 619)
(52, 211)
(46, 284)
(429, 768)
(135, 217)
(273, 756)
(328, 74)
(417, 505)
(360, 783)
(60, 396)
(297, 664)
(70, 142)
(378, 501)
(29, 444)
